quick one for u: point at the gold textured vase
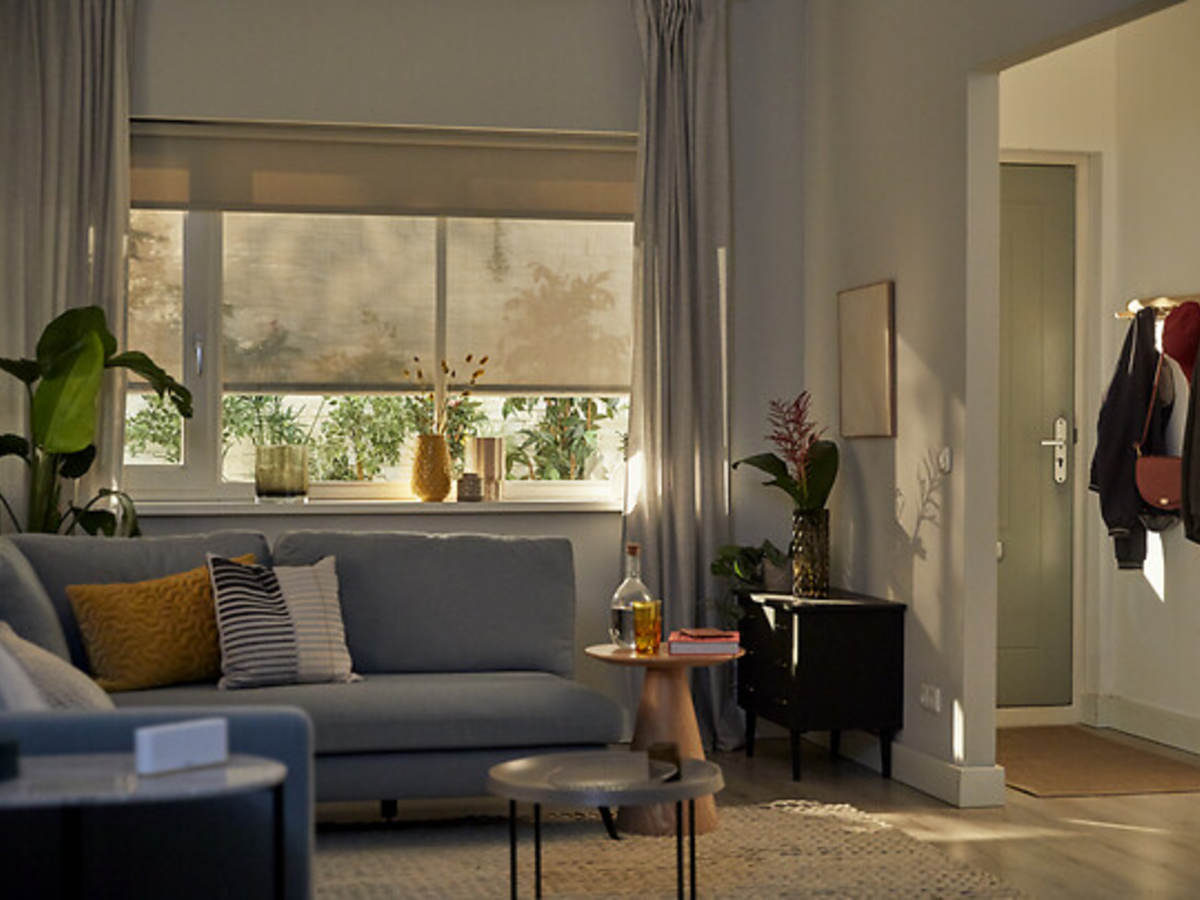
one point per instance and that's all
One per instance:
(431, 468)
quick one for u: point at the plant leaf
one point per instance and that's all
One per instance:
(774, 466)
(25, 369)
(822, 472)
(14, 445)
(68, 331)
(95, 521)
(139, 362)
(75, 465)
(64, 404)
(128, 522)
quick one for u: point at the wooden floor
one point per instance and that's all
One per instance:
(1146, 845)
(1091, 847)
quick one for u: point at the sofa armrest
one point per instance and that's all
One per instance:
(282, 733)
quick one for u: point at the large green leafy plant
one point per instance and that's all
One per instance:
(63, 387)
(808, 465)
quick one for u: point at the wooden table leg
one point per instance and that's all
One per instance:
(665, 713)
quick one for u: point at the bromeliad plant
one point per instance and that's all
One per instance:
(63, 387)
(805, 466)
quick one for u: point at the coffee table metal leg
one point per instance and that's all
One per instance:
(609, 825)
(537, 849)
(692, 844)
(280, 845)
(512, 849)
(679, 849)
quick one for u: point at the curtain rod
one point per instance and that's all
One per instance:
(1161, 305)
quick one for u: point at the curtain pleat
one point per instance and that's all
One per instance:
(677, 491)
(64, 172)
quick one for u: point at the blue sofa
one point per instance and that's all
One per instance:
(465, 643)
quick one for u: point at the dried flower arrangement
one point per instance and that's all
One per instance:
(450, 399)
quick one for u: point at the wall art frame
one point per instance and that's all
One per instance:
(867, 360)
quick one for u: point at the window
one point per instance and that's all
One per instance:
(304, 295)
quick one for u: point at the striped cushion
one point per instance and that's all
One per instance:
(279, 625)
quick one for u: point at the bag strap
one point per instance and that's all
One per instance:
(1150, 409)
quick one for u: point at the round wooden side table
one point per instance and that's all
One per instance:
(665, 713)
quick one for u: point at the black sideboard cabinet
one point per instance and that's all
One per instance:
(823, 664)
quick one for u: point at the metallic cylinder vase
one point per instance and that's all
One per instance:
(810, 553)
(489, 463)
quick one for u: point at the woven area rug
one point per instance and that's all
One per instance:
(790, 848)
(1073, 761)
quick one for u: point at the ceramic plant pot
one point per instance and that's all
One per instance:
(281, 473)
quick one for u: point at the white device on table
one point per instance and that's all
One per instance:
(181, 745)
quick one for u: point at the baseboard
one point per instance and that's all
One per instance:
(962, 786)
(1018, 716)
(1147, 721)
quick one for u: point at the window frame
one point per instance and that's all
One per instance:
(198, 475)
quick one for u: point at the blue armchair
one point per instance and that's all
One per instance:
(209, 848)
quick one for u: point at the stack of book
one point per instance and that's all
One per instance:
(703, 641)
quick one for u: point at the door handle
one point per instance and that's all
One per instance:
(1059, 443)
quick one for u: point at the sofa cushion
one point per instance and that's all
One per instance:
(58, 682)
(448, 602)
(279, 625)
(60, 560)
(24, 603)
(442, 711)
(152, 633)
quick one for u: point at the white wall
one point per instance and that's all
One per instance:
(767, 311)
(901, 182)
(1155, 663)
(571, 64)
(1130, 96)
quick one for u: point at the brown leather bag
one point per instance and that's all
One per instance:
(1159, 477)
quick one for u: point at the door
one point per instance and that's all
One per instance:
(1037, 429)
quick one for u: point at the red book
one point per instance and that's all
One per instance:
(703, 640)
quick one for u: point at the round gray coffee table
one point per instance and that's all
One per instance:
(602, 778)
(75, 781)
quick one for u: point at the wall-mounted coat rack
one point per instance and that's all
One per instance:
(1161, 305)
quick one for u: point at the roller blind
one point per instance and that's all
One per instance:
(390, 170)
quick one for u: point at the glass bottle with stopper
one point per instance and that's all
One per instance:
(630, 591)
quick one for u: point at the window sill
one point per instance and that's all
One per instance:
(168, 508)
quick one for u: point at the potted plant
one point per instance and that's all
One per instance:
(431, 471)
(805, 468)
(63, 388)
(280, 443)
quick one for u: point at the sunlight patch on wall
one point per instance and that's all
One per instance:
(1154, 570)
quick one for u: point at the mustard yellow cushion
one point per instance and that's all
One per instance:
(153, 633)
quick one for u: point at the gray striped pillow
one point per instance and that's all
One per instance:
(280, 625)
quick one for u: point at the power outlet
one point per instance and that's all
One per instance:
(931, 697)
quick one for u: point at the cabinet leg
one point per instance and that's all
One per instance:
(751, 721)
(885, 750)
(835, 743)
(795, 740)
(388, 809)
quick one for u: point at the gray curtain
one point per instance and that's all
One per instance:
(677, 491)
(64, 181)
